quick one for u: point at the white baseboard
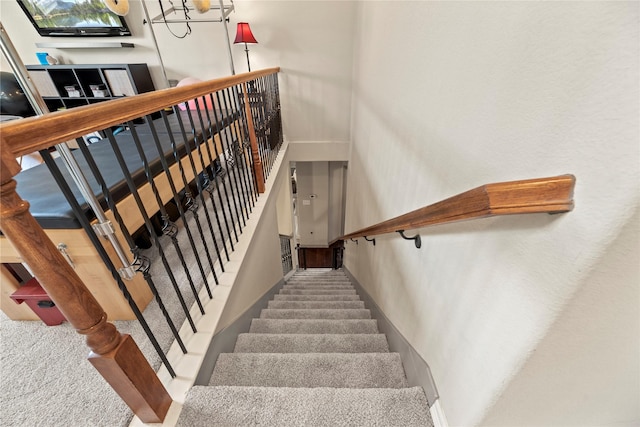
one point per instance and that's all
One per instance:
(416, 369)
(437, 415)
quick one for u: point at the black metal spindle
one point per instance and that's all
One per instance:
(228, 138)
(274, 124)
(273, 119)
(270, 117)
(242, 116)
(206, 183)
(168, 228)
(226, 180)
(147, 221)
(216, 178)
(259, 118)
(262, 114)
(254, 102)
(285, 251)
(241, 130)
(75, 206)
(257, 129)
(238, 136)
(234, 141)
(276, 95)
(220, 180)
(244, 151)
(193, 206)
(191, 203)
(141, 263)
(219, 125)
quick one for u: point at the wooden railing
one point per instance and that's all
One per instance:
(116, 356)
(36, 133)
(541, 195)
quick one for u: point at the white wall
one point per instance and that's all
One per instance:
(311, 41)
(601, 349)
(337, 185)
(452, 95)
(258, 265)
(320, 204)
(313, 203)
(284, 205)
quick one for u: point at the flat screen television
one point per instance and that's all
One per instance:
(70, 18)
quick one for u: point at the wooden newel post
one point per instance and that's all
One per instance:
(116, 356)
(254, 142)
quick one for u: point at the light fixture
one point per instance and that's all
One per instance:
(201, 6)
(244, 35)
(119, 7)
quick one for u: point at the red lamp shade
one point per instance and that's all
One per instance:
(243, 34)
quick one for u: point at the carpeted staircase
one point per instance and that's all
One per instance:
(313, 358)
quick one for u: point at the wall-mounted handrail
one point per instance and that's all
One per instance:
(540, 195)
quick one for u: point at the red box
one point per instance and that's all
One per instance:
(38, 300)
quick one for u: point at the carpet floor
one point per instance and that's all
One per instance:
(45, 378)
(312, 358)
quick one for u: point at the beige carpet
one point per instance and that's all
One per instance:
(309, 362)
(45, 378)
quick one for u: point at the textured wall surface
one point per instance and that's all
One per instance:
(258, 262)
(589, 358)
(449, 96)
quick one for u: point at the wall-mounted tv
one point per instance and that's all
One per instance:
(81, 18)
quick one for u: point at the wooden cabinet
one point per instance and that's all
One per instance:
(68, 86)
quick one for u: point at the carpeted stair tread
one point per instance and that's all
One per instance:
(343, 297)
(314, 286)
(359, 370)
(317, 292)
(314, 326)
(314, 357)
(315, 304)
(318, 407)
(316, 274)
(318, 282)
(320, 313)
(319, 276)
(311, 343)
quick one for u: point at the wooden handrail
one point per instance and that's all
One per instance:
(115, 356)
(541, 195)
(36, 133)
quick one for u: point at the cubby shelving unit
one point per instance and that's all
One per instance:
(110, 81)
